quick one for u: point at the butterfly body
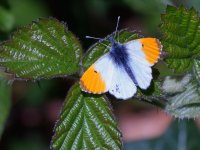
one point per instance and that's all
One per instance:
(123, 68)
(120, 57)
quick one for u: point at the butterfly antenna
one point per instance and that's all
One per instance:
(91, 37)
(96, 38)
(116, 29)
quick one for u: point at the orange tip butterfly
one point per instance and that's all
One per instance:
(123, 68)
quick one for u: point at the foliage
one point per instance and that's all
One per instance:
(44, 49)
(185, 104)
(47, 49)
(181, 36)
(180, 28)
(86, 122)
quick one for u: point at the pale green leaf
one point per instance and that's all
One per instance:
(185, 104)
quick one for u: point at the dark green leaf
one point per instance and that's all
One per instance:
(44, 49)
(6, 20)
(185, 104)
(153, 90)
(86, 122)
(100, 48)
(181, 36)
(5, 102)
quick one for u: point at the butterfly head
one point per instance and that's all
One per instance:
(112, 40)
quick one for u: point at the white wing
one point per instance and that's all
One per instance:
(122, 87)
(139, 65)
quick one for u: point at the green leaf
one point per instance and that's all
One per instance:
(181, 36)
(100, 48)
(6, 20)
(5, 102)
(44, 49)
(186, 104)
(86, 122)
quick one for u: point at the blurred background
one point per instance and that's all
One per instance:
(35, 106)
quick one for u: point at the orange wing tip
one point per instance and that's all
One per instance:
(92, 82)
(85, 89)
(152, 48)
(160, 46)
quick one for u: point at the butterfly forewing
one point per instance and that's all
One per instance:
(97, 78)
(143, 53)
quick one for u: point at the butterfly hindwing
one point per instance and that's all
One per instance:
(122, 87)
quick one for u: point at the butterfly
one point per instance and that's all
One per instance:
(123, 68)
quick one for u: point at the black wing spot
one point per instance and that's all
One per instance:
(117, 88)
(95, 71)
(142, 45)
